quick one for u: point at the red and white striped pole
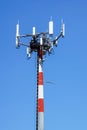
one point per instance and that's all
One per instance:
(40, 93)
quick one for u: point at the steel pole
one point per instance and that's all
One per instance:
(40, 93)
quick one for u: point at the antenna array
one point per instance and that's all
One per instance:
(42, 40)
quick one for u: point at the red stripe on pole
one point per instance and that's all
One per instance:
(40, 78)
(40, 105)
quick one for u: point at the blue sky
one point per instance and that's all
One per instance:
(66, 99)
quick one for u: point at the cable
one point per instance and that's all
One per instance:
(37, 93)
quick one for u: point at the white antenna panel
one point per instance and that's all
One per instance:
(17, 42)
(33, 31)
(28, 52)
(41, 41)
(63, 29)
(17, 30)
(17, 34)
(51, 27)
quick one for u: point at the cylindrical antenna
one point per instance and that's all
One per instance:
(17, 35)
(51, 27)
(17, 30)
(41, 41)
(33, 31)
(28, 52)
(63, 30)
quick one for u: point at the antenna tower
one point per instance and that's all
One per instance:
(40, 43)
